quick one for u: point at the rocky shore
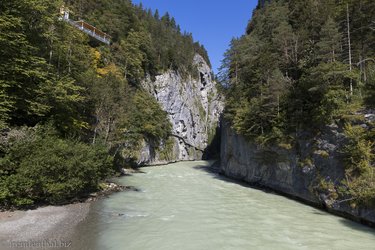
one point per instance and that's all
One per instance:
(41, 227)
(49, 227)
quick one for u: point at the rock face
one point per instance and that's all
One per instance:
(296, 171)
(193, 106)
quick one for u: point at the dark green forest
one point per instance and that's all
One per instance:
(70, 106)
(300, 66)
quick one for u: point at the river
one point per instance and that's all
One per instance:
(183, 206)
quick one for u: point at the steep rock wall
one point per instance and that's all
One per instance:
(285, 171)
(193, 106)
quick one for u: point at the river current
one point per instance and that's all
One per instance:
(184, 206)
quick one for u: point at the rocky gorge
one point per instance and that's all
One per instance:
(299, 172)
(193, 107)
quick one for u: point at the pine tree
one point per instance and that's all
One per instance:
(156, 15)
(329, 47)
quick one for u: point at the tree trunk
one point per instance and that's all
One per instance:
(94, 138)
(278, 106)
(350, 49)
(108, 129)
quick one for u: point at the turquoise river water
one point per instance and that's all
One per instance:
(183, 206)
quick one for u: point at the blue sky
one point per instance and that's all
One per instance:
(213, 23)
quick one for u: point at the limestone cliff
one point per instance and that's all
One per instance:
(193, 106)
(296, 171)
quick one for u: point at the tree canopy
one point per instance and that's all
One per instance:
(292, 69)
(301, 65)
(54, 75)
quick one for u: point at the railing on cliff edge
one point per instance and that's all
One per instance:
(85, 27)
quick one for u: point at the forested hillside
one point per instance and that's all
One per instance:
(300, 66)
(69, 104)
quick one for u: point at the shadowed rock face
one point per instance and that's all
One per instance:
(194, 108)
(286, 170)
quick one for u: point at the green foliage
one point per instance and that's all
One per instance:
(359, 158)
(52, 73)
(322, 153)
(43, 168)
(133, 54)
(329, 45)
(109, 100)
(358, 151)
(147, 118)
(31, 89)
(166, 150)
(370, 87)
(329, 188)
(145, 43)
(306, 162)
(362, 189)
(290, 71)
